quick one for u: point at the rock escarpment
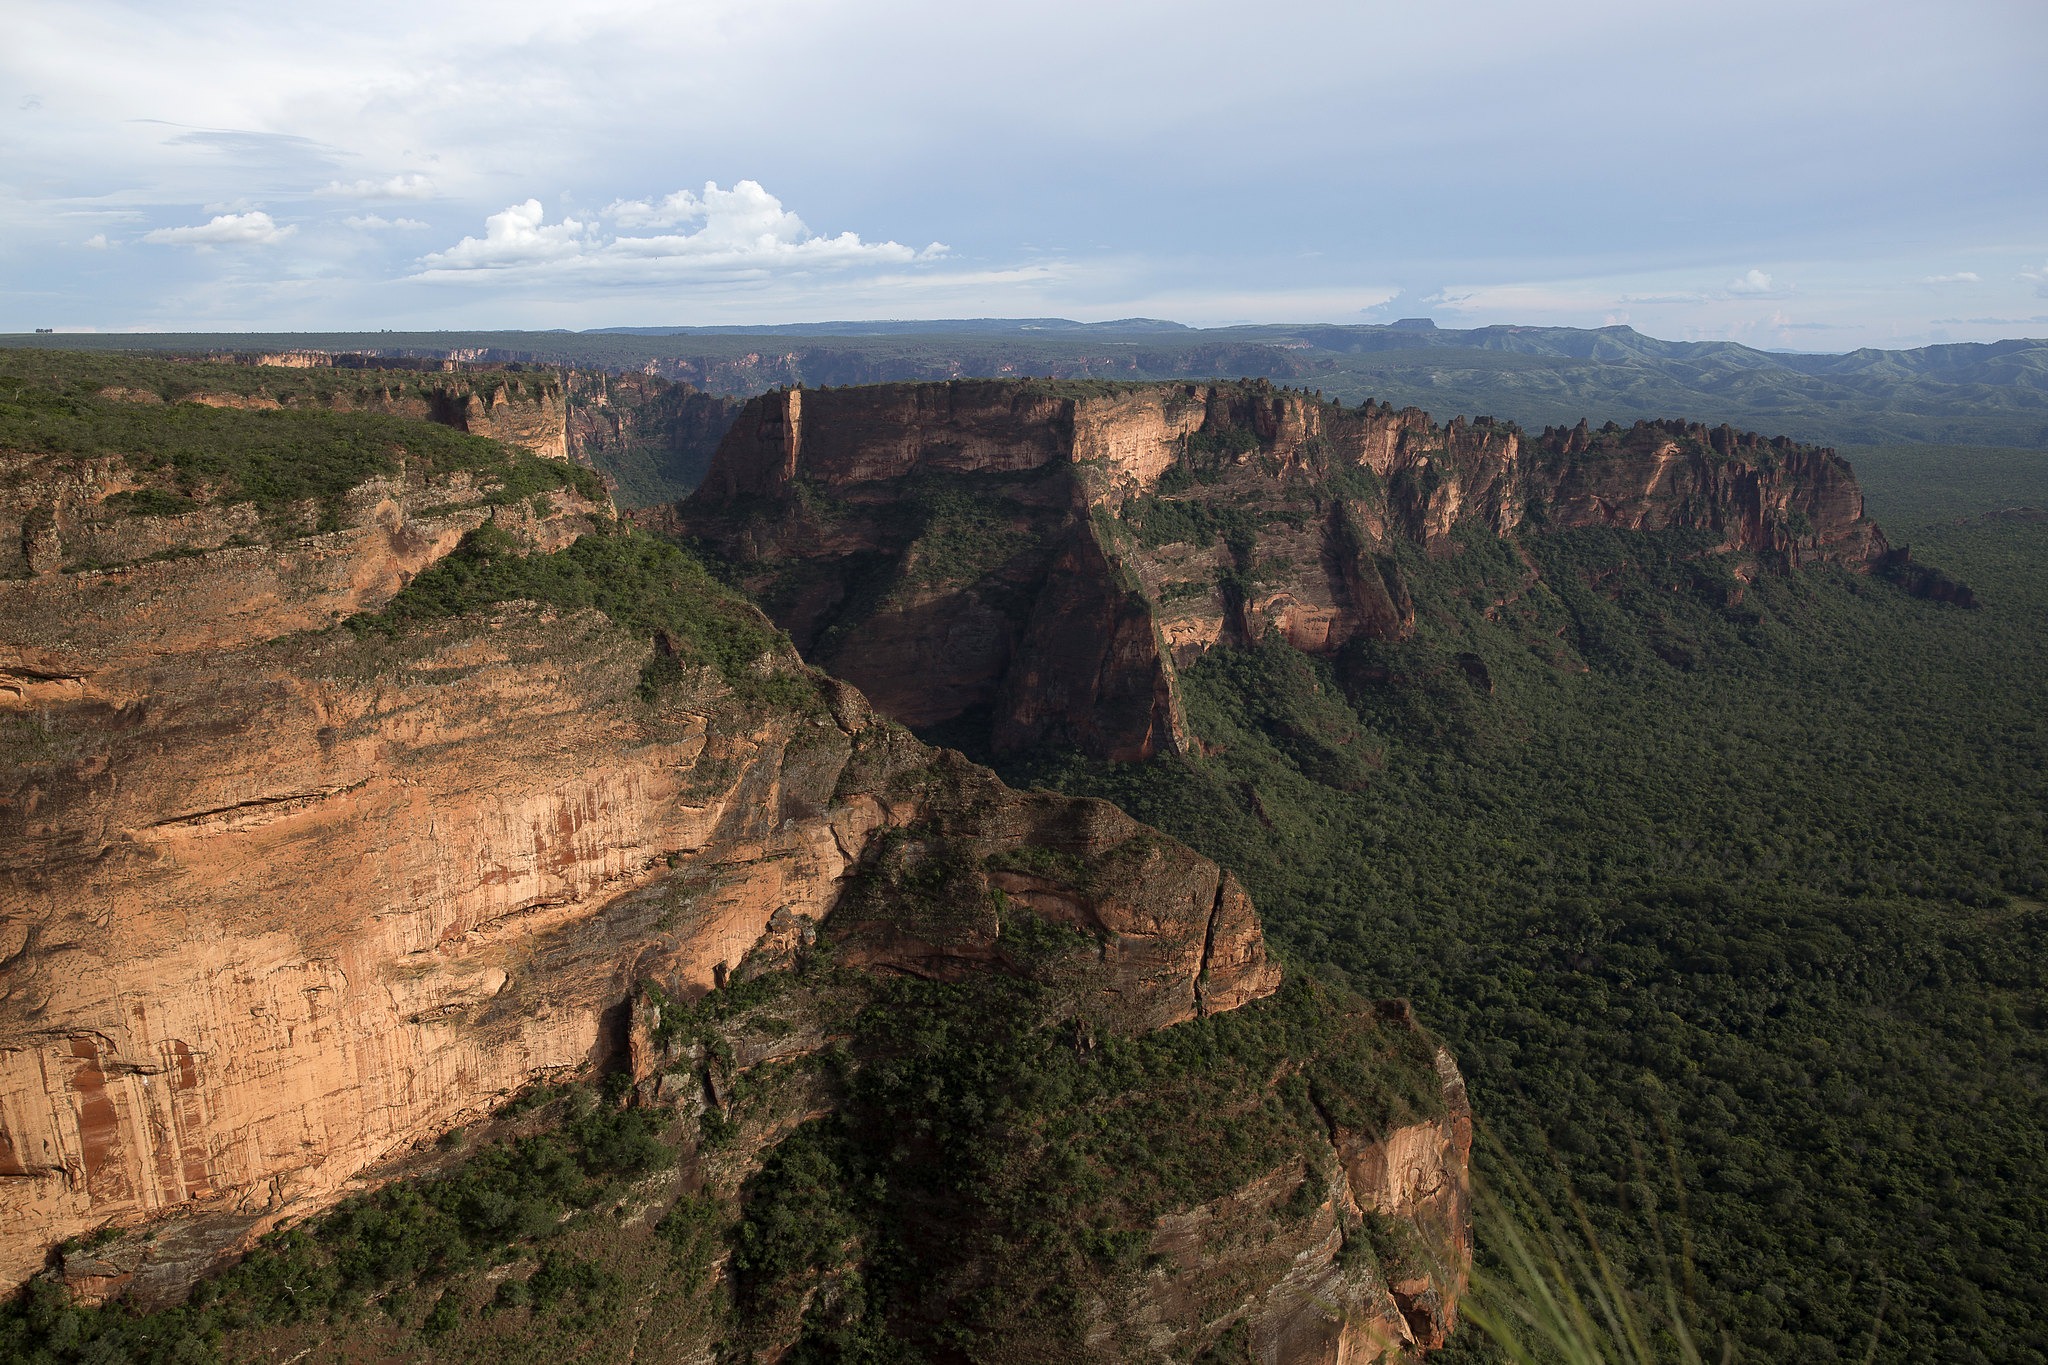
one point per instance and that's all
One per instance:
(279, 900)
(651, 438)
(1052, 554)
(280, 904)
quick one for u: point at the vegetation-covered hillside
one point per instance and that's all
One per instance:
(1733, 903)
(138, 410)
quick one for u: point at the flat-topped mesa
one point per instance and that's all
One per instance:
(526, 408)
(1049, 554)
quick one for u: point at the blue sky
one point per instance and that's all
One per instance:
(1799, 173)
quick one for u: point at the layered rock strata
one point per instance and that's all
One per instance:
(1050, 555)
(1309, 1301)
(278, 900)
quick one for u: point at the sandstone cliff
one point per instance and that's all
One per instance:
(1338, 1233)
(278, 905)
(1050, 555)
(279, 900)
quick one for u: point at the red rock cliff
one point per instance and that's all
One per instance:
(278, 900)
(1050, 555)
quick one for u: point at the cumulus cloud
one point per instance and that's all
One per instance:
(373, 222)
(96, 242)
(395, 187)
(1754, 283)
(516, 237)
(740, 233)
(228, 229)
(1960, 277)
(2037, 278)
(671, 210)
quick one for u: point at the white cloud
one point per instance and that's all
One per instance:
(372, 222)
(2037, 278)
(743, 232)
(396, 187)
(516, 237)
(228, 229)
(1959, 277)
(1754, 283)
(680, 207)
(96, 242)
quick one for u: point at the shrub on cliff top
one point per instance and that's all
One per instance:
(376, 1248)
(649, 586)
(275, 459)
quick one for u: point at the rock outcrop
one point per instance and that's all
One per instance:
(279, 900)
(1345, 1238)
(1050, 555)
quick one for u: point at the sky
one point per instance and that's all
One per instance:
(1797, 174)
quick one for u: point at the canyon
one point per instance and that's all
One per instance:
(291, 886)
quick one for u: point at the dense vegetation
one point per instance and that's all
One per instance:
(277, 459)
(646, 585)
(1730, 902)
(136, 375)
(980, 1176)
(517, 1211)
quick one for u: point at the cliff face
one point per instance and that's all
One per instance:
(279, 901)
(214, 890)
(278, 905)
(1052, 554)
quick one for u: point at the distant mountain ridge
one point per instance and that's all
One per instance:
(1993, 393)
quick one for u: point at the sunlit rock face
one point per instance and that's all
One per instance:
(278, 900)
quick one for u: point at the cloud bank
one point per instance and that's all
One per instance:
(1846, 161)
